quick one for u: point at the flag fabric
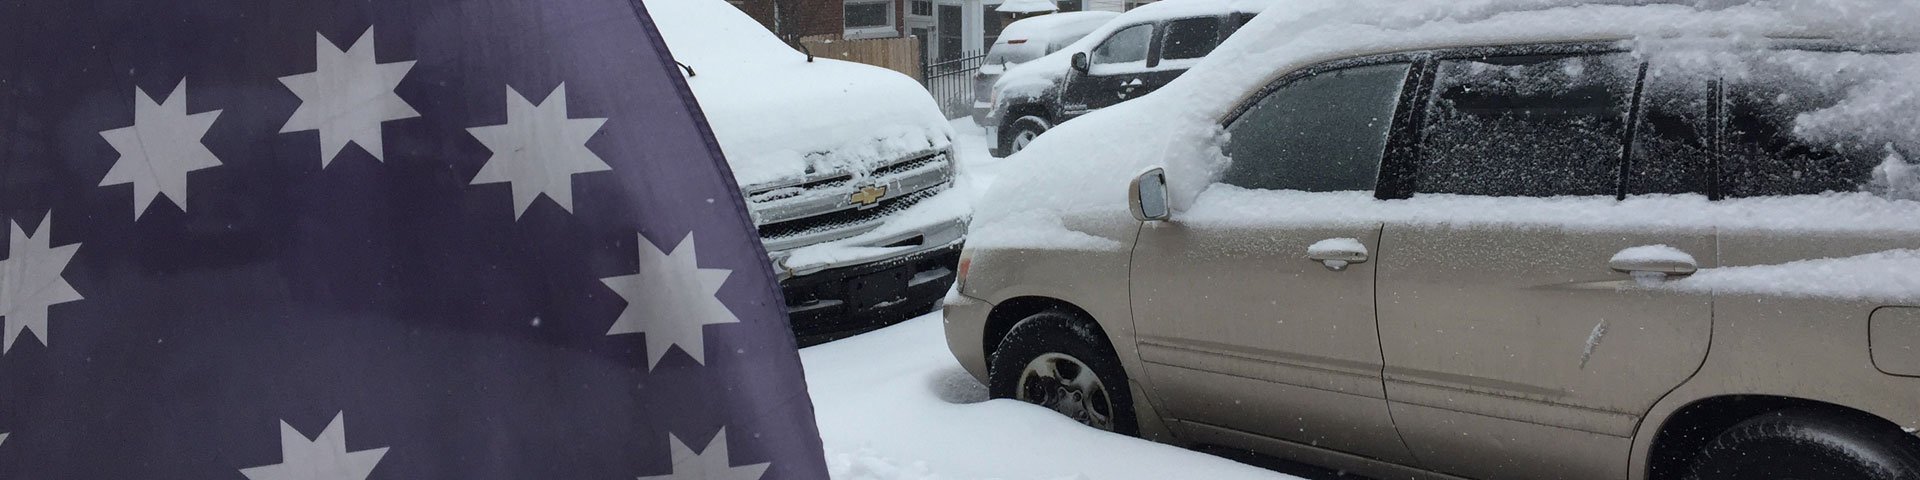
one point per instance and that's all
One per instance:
(354, 239)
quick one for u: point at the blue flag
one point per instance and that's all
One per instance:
(321, 239)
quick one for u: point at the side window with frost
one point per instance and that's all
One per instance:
(1321, 133)
(1802, 123)
(1673, 138)
(1129, 45)
(1190, 38)
(1535, 126)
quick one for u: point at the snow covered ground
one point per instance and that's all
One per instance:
(893, 404)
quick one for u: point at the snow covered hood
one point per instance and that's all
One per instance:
(779, 117)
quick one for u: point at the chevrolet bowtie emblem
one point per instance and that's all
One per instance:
(868, 195)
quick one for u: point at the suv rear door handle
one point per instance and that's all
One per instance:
(1659, 259)
(1337, 253)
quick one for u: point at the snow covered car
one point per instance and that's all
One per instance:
(1028, 39)
(833, 158)
(1410, 239)
(1131, 55)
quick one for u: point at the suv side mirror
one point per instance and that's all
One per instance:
(1080, 62)
(1147, 196)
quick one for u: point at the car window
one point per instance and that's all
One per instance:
(1321, 133)
(1190, 38)
(1763, 156)
(1526, 125)
(1063, 42)
(1125, 46)
(1673, 136)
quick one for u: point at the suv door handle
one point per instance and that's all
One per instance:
(1337, 253)
(1341, 255)
(1660, 259)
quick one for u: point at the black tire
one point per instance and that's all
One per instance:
(1027, 127)
(1810, 445)
(1056, 333)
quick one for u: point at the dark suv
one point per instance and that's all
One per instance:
(1133, 55)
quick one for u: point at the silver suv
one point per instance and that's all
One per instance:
(1507, 260)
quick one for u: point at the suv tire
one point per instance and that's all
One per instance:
(1058, 360)
(1808, 445)
(1022, 131)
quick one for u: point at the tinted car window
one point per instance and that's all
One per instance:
(1321, 133)
(1764, 157)
(1673, 136)
(1190, 38)
(1526, 126)
(1125, 46)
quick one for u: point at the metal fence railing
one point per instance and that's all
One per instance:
(952, 84)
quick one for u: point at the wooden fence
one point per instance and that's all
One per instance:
(897, 54)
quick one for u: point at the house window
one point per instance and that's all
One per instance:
(869, 15)
(923, 8)
(1070, 5)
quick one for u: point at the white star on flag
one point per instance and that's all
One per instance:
(30, 281)
(160, 148)
(710, 464)
(671, 299)
(347, 97)
(324, 458)
(539, 150)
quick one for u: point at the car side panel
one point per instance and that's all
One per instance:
(1240, 330)
(1807, 347)
(1093, 280)
(1514, 351)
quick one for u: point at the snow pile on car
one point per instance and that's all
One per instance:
(1037, 36)
(779, 117)
(1038, 76)
(1079, 171)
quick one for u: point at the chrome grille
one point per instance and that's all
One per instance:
(848, 219)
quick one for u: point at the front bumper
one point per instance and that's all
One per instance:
(844, 301)
(966, 325)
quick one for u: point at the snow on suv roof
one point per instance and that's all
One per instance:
(1084, 165)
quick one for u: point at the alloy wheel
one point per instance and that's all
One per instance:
(1066, 385)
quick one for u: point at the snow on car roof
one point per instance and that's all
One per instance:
(1027, 6)
(1031, 38)
(1080, 169)
(1055, 25)
(1040, 74)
